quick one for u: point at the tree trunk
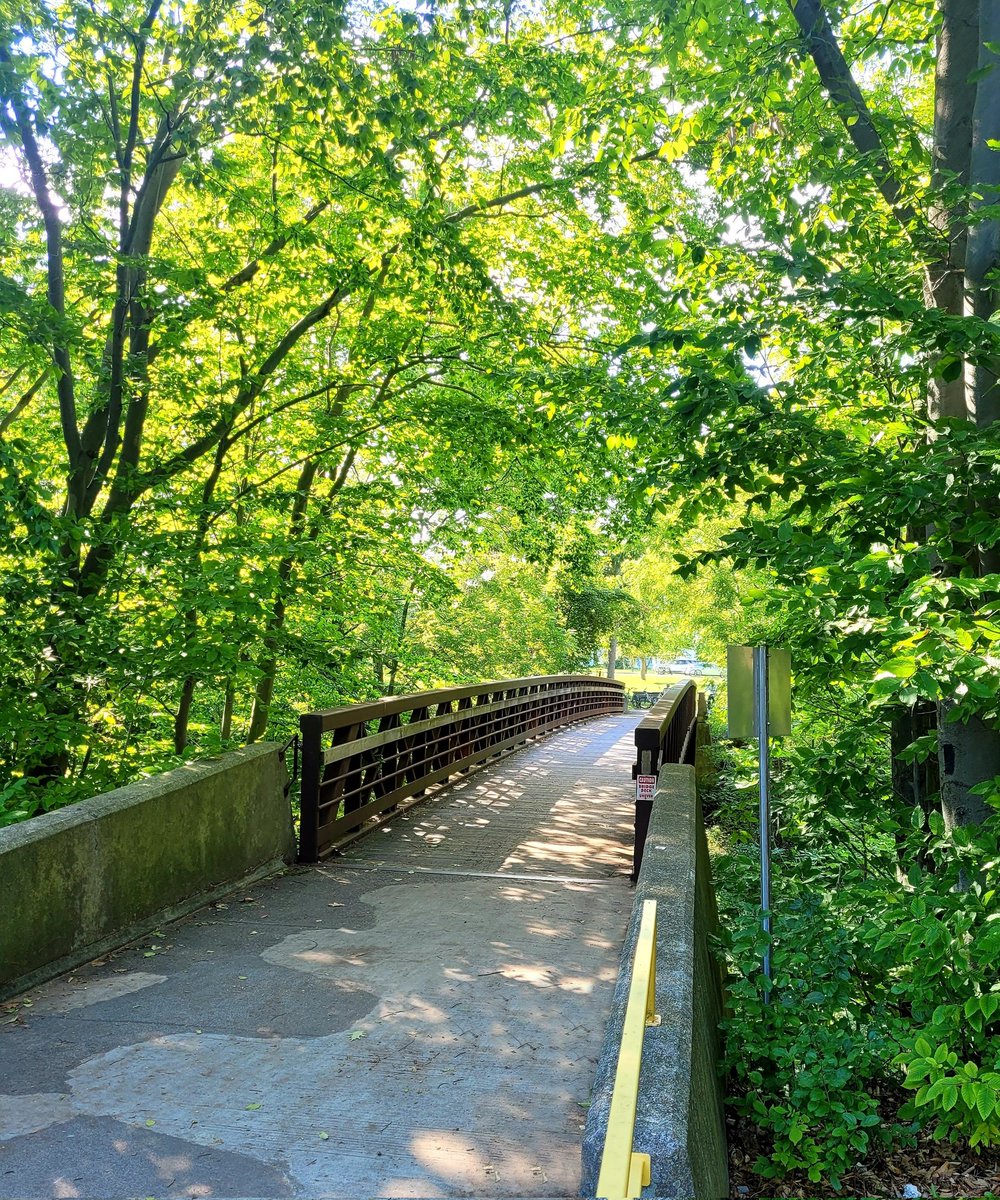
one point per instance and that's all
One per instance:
(959, 255)
(642, 667)
(967, 114)
(226, 724)
(264, 692)
(982, 297)
(612, 656)
(183, 714)
(190, 682)
(983, 255)
(969, 754)
(954, 101)
(297, 533)
(394, 661)
(914, 785)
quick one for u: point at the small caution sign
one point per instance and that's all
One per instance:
(645, 786)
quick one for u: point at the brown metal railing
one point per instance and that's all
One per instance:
(667, 734)
(360, 761)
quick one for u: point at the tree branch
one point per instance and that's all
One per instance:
(22, 403)
(252, 388)
(533, 189)
(55, 274)
(845, 95)
(246, 273)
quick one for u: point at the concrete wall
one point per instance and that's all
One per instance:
(679, 1122)
(75, 882)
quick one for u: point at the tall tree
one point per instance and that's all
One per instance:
(962, 258)
(249, 244)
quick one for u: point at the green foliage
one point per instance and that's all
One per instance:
(963, 1100)
(807, 1054)
(885, 953)
(302, 342)
(939, 942)
(346, 353)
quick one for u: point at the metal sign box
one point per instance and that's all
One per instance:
(740, 698)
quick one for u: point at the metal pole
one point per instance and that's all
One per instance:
(761, 728)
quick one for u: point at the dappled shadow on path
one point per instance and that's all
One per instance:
(562, 807)
(418, 1019)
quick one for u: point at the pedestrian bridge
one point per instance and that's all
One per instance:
(419, 1013)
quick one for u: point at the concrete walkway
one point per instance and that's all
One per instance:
(420, 1018)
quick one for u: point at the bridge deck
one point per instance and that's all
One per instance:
(420, 1018)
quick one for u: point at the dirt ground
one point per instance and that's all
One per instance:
(935, 1169)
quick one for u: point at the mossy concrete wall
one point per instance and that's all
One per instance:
(679, 1121)
(77, 881)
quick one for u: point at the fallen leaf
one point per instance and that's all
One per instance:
(150, 1123)
(253, 1107)
(355, 1034)
(324, 1136)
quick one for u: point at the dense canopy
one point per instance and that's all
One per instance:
(352, 349)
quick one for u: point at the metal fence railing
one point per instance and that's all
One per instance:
(361, 761)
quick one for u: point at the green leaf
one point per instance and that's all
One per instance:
(902, 667)
(987, 1100)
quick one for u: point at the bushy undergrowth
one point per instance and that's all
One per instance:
(885, 964)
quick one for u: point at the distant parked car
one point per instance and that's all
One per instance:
(686, 663)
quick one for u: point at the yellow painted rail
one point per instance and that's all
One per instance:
(624, 1173)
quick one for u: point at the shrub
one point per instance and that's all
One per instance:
(803, 1055)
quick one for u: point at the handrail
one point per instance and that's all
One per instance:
(624, 1172)
(360, 761)
(665, 735)
(662, 731)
